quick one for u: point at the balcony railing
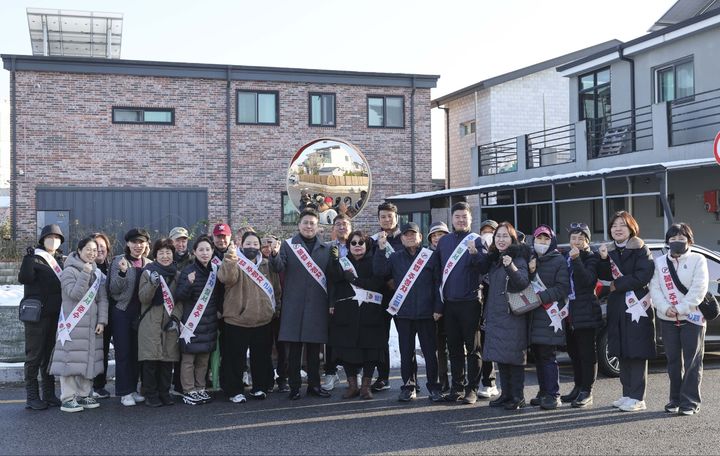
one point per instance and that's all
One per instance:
(620, 133)
(553, 146)
(694, 119)
(498, 157)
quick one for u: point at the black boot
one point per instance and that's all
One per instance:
(501, 400)
(33, 395)
(48, 391)
(570, 396)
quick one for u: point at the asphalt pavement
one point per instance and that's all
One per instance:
(382, 425)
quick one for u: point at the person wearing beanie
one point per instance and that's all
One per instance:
(487, 369)
(437, 230)
(40, 276)
(461, 261)
(550, 278)
(585, 315)
(123, 286)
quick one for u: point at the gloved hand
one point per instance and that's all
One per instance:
(349, 276)
(30, 251)
(335, 253)
(155, 278)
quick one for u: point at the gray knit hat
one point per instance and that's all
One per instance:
(491, 223)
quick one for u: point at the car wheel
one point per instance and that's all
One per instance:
(608, 365)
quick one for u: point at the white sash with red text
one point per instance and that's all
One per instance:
(50, 260)
(253, 272)
(188, 329)
(455, 258)
(636, 308)
(66, 326)
(308, 263)
(361, 295)
(168, 301)
(553, 310)
(694, 317)
(409, 280)
(389, 250)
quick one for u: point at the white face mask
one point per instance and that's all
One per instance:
(540, 249)
(487, 239)
(51, 244)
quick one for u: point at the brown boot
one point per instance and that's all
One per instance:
(352, 390)
(365, 392)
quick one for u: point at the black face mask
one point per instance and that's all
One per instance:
(250, 252)
(678, 247)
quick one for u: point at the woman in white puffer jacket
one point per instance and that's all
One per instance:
(683, 327)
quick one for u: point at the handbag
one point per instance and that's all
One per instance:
(709, 306)
(29, 310)
(521, 302)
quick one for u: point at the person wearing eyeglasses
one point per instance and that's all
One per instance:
(585, 316)
(627, 263)
(678, 286)
(104, 254)
(357, 335)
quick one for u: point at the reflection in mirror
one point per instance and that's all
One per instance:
(331, 176)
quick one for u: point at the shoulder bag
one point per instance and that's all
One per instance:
(709, 306)
(521, 302)
(29, 310)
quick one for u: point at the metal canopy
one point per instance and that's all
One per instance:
(75, 33)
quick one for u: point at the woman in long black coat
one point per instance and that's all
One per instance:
(631, 336)
(357, 330)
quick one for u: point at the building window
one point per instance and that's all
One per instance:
(386, 111)
(675, 81)
(289, 210)
(467, 128)
(322, 109)
(156, 116)
(595, 94)
(257, 107)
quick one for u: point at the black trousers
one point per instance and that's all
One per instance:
(281, 349)
(156, 377)
(546, 366)
(487, 370)
(633, 377)
(329, 365)
(425, 330)
(295, 363)
(462, 325)
(442, 351)
(125, 341)
(39, 346)
(383, 366)
(581, 347)
(100, 379)
(512, 380)
(237, 340)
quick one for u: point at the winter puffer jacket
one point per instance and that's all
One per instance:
(206, 331)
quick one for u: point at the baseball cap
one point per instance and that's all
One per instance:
(411, 226)
(222, 229)
(543, 229)
(178, 232)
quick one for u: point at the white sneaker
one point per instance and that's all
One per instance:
(128, 400)
(328, 383)
(238, 399)
(488, 391)
(204, 396)
(633, 405)
(137, 397)
(303, 374)
(620, 402)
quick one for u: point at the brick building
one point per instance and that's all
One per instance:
(109, 143)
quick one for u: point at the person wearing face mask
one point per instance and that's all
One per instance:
(40, 275)
(506, 334)
(305, 301)
(585, 315)
(676, 298)
(158, 329)
(437, 231)
(78, 355)
(102, 260)
(248, 310)
(487, 369)
(199, 292)
(123, 285)
(551, 281)
(627, 263)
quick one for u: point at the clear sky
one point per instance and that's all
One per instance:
(462, 41)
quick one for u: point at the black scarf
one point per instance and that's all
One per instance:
(168, 272)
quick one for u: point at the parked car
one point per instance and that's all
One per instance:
(609, 365)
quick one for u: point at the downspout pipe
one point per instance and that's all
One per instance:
(412, 136)
(447, 146)
(13, 151)
(632, 94)
(228, 166)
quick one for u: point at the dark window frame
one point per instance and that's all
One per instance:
(594, 89)
(257, 92)
(384, 97)
(310, 119)
(655, 73)
(142, 110)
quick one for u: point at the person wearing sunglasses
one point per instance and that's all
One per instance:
(357, 334)
(585, 315)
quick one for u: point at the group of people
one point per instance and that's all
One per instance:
(328, 208)
(168, 316)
